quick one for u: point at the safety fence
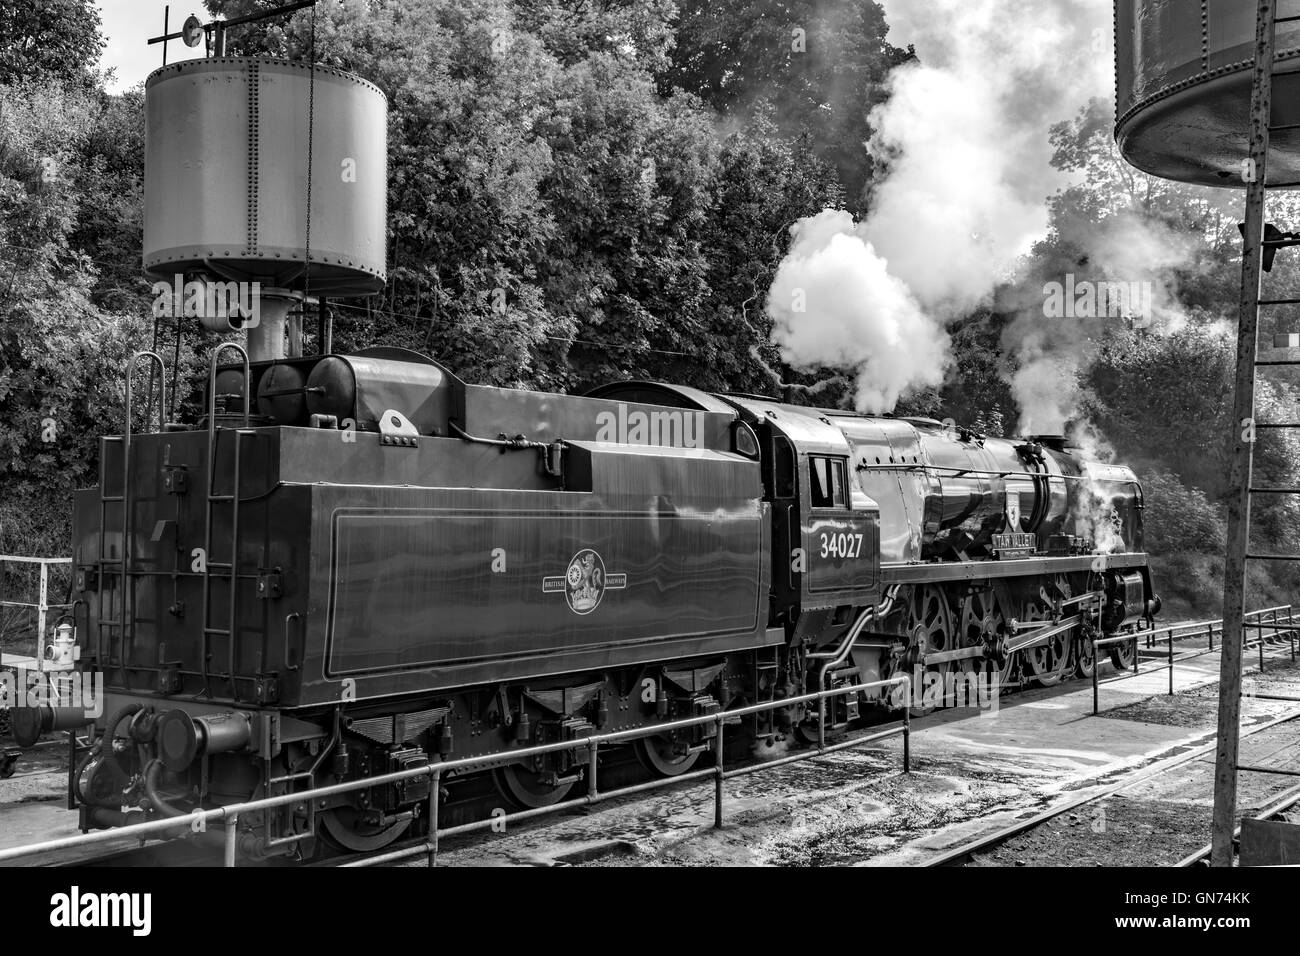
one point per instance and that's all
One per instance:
(1269, 623)
(41, 605)
(227, 817)
(1276, 620)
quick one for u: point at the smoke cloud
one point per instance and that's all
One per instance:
(834, 302)
(1129, 276)
(964, 141)
(1092, 511)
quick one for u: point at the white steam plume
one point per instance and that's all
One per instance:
(964, 136)
(1093, 511)
(833, 302)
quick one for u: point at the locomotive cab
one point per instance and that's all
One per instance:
(825, 538)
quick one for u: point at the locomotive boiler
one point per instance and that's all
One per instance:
(351, 564)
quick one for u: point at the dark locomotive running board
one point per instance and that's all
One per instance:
(933, 572)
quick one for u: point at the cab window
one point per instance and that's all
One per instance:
(829, 489)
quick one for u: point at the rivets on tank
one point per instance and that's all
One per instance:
(1205, 35)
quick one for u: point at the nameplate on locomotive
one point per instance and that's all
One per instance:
(1014, 545)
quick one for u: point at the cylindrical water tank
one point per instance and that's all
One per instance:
(226, 174)
(1183, 84)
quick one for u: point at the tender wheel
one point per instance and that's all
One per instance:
(527, 789)
(347, 829)
(657, 754)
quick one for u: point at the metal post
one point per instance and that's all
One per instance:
(821, 716)
(592, 749)
(717, 777)
(1137, 657)
(1209, 633)
(1092, 639)
(907, 729)
(1171, 664)
(40, 614)
(72, 765)
(1240, 445)
(232, 831)
(435, 785)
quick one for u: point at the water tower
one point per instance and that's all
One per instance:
(266, 171)
(1183, 71)
(1208, 91)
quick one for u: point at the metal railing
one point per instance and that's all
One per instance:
(42, 604)
(1282, 618)
(229, 816)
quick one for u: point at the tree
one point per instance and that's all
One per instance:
(818, 67)
(49, 40)
(62, 356)
(556, 219)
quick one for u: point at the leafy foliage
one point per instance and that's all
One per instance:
(49, 40)
(62, 353)
(816, 68)
(559, 217)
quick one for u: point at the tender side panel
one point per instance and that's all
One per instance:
(417, 589)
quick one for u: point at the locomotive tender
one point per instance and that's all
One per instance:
(355, 564)
(382, 565)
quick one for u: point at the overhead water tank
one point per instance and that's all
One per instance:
(1183, 87)
(226, 174)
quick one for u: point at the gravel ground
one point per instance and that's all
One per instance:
(1197, 706)
(1156, 823)
(1162, 820)
(872, 821)
(40, 774)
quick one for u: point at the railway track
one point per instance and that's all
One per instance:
(968, 852)
(971, 851)
(1277, 808)
(186, 853)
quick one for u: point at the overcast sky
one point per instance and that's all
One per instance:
(128, 24)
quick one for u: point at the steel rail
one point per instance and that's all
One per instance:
(228, 816)
(590, 799)
(1284, 802)
(958, 854)
(198, 821)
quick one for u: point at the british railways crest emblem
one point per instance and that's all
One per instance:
(585, 582)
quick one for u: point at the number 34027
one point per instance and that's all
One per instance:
(841, 545)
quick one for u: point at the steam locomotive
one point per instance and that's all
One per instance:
(355, 564)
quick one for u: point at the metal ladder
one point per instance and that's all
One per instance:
(231, 567)
(124, 622)
(1241, 443)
